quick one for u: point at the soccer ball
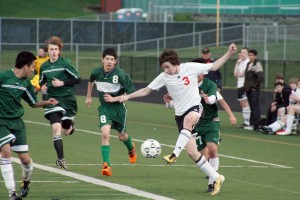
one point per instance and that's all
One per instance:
(151, 148)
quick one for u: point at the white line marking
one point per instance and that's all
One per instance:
(167, 145)
(88, 179)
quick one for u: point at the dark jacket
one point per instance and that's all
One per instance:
(253, 77)
(215, 76)
(283, 99)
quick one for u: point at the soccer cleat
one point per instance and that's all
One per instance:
(24, 188)
(106, 170)
(170, 159)
(267, 130)
(132, 154)
(210, 188)
(14, 196)
(250, 128)
(285, 132)
(217, 185)
(60, 162)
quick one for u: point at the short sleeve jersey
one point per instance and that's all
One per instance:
(12, 90)
(61, 69)
(116, 83)
(210, 111)
(242, 67)
(182, 87)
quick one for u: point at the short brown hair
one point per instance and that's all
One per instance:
(279, 76)
(55, 41)
(293, 80)
(169, 55)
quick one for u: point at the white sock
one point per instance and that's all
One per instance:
(289, 123)
(183, 138)
(8, 174)
(276, 126)
(27, 171)
(214, 162)
(207, 168)
(246, 115)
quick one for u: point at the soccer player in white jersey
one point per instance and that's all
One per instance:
(181, 81)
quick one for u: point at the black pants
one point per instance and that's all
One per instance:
(253, 99)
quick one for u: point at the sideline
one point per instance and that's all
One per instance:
(88, 179)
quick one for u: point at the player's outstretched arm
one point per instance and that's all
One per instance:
(226, 107)
(139, 93)
(221, 61)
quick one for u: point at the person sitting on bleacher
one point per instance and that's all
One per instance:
(292, 110)
(277, 126)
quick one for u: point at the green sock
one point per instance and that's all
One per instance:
(105, 151)
(128, 143)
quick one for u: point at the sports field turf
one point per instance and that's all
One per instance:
(256, 166)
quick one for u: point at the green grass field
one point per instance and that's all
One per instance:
(256, 166)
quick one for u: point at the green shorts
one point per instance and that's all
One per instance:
(67, 106)
(13, 131)
(114, 115)
(207, 132)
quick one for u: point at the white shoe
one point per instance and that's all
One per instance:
(250, 128)
(283, 132)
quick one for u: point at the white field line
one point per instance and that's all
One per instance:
(88, 179)
(167, 145)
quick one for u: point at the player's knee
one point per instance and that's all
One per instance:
(66, 124)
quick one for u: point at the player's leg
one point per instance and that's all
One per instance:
(292, 109)
(68, 120)
(105, 149)
(27, 167)
(187, 122)
(245, 107)
(55, 121)
(120, 125)
(202, 163)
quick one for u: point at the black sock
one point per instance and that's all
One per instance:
(58, 145)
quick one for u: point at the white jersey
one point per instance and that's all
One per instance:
(219, 96)
(182, 87)
(297, 94)
(242, 67)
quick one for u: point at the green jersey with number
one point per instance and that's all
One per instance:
(116, 83)
(210, 111)
(12, 90)
(61, 69)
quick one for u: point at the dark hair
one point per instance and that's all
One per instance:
(110, 52)
(253, 51)
(279, 76)
(169, 55)
(24, 58)
(278, 83)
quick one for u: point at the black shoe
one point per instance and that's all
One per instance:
(242, 125)
(267, 130)
(24, 188)
(14, 196)
(210, 188)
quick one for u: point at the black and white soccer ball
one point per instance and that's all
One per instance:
(150, 148)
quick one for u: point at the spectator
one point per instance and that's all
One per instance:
(215, 76)
(239, 73)
(292, 109)
(253, 79)
(279, 124)
(281, 99)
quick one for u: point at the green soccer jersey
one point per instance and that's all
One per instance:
(12, 90)
(210, 112)
(115, 83)
(61, 69)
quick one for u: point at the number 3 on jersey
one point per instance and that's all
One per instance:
(186, 80)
